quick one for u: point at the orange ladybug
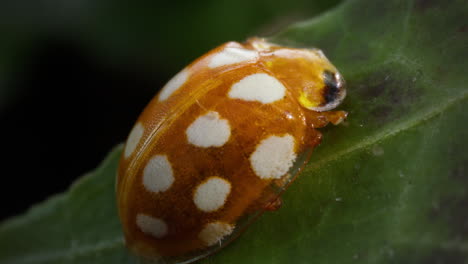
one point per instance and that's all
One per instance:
(218, 145)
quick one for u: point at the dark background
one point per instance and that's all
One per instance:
(75, 75)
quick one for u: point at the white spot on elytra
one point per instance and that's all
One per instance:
(258, 87)
(151, 225)
(214, 232)
(261, 45)
(133, 139)
(158, 175)
(232, 56)
(175, 83)
(209, 130)
(273, 157)
(211, 194)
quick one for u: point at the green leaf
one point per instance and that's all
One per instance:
(390, 186)
(79, 226)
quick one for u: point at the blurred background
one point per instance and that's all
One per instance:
(74, 75)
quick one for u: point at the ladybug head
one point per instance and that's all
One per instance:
(323, 87)
(330, 94)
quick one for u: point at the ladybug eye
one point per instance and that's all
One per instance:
(333, 92)
(334, 84)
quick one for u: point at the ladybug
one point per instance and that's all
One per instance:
(219, 144)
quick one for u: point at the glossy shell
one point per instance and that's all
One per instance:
(219, 143)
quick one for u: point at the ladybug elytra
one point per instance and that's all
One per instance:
(219, 144)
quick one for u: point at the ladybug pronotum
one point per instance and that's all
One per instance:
(218, 145)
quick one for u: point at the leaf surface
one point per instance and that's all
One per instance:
(389, 186)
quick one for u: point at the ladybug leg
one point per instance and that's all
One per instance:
(315, 137)
(336, 117)
(321, 119)
(274, 205)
